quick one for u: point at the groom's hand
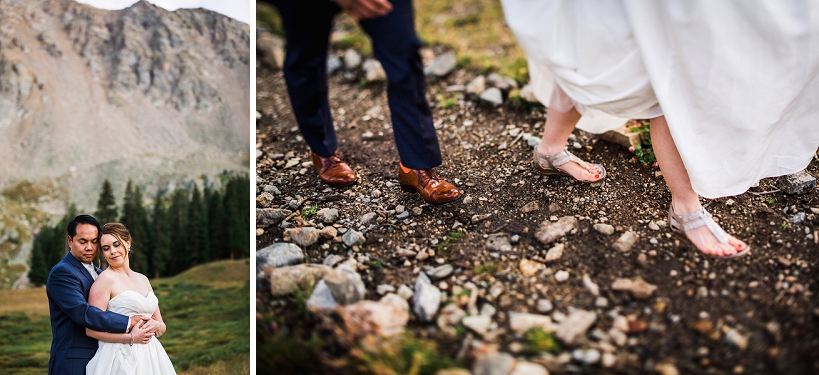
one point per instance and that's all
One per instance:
(142, 333)
(134, 320)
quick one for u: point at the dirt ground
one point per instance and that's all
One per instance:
(768, 297)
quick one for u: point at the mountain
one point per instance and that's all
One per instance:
(141, 93)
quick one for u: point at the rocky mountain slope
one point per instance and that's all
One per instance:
(142, 93)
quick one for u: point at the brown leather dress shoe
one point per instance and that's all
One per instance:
(333, 171)
(433, 189)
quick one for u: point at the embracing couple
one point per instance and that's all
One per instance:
(103, 322)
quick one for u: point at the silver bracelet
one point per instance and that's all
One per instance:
(132, 338)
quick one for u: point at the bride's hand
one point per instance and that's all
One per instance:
(142, 332)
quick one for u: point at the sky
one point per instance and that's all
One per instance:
(237, 9)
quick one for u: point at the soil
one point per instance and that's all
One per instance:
(767, 296)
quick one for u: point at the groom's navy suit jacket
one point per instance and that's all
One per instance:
(67, 288)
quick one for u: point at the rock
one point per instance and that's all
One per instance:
(653, 226)
(332, 260)
(368, 218)
(798, 218)
(606, 229)
(493, 96)
(327, 215)
(590, 285)
(328, 232)
(625, 242)
(798, 183)
(494, 364)
(387, 317)
(529, 368)
(266, 217)
(345, 284)
(427, 299)
(286, 280)
(608, 360)
(478, 323)
(736, 339)
(384, 289)
(402, 215)
(555, 253)
(478, 218)
(549, 231)
(270, 49)
(304, 236)
(501, 82)
(450, 316)
(498, 242)
(259, 232)
(488, 310)
(453, 371)
(575, 325)
(418, 210)
(442, 65)
(405, 292)
(265, 199)
(352, 237)
(529, 267)
(636, 286)
(333, 63)
(279, 254)
(522, 322)
(399, 209)
(476, 86)
(440, 272)
(321, 301)
(666, 368)
(527, 93)
(587, 356)
(352, 59)
(373, 71)
(543, 306)
(529, 207)
(561, 276)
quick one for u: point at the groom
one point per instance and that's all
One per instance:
(67, 287)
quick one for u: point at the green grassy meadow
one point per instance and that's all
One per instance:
(205, 308)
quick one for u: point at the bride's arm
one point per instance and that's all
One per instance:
(160, 330)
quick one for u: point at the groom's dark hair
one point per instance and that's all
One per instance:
(81, 219)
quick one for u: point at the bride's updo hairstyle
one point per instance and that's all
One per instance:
(119, 231)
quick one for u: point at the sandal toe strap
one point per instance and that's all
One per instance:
(700, 218)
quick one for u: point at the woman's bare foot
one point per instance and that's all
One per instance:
(573, 168)
(707, 242)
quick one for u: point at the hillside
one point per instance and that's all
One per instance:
(141, 93)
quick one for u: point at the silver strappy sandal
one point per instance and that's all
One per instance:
(550, 164)
(681, 224)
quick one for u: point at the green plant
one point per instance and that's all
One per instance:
(644, 152)
(377, 264)
(488, 268)
(452, 237)
(784, 226)
(538, 341)
(446, 101)
(770, 201)
(309, 211)
(405, 354)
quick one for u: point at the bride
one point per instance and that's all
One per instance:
(124, 291)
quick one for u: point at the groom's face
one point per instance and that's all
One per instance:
(84, 244)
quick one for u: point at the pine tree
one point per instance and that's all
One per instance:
(106, 205)
(135, 218)
(217, 225)
(161, 239)
(197, 227)
(177, 224)
(38, 272)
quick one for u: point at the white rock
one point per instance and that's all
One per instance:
(427, 299)
(555, 253)
(626, 241)
(590, 285)
(321, 301)
(384, 289)
(561, 276)
(522, 322)
(606, 229)
(575, 325)
(529, 368)
(405, 292)
(478, 323)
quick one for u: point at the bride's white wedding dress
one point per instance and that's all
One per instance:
(126, 359)
(738, 81)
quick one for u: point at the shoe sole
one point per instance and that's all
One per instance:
(410, 189)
